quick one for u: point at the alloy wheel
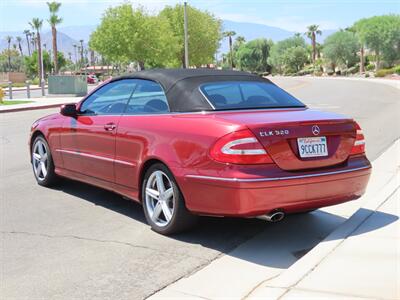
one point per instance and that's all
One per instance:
(160, 198)
(40, 160)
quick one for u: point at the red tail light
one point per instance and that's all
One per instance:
(240, 147)
(359, 143)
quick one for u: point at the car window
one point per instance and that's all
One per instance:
(110, 99)
(247, 95)
(148, 98)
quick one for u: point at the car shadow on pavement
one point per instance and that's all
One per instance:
(104, 198)
(276, 245)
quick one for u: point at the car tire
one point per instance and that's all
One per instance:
(42, 162)
(163, 202)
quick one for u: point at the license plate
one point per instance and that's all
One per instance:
(312, 146)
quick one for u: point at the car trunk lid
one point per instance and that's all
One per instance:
(279, 131)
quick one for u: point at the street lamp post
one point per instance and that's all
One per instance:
(42, 82)
(186, 35)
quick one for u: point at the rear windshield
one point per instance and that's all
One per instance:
(247, 95)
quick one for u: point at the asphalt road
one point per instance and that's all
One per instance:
(78, 241)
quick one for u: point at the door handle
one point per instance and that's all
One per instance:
(110, 126)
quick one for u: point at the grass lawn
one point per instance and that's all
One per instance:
(12, 102)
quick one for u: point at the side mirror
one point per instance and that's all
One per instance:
(68, 110)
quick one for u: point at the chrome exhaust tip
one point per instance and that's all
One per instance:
(274, 216)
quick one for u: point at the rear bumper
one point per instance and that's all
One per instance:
(244, 194)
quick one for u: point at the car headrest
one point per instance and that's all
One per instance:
(156, 105)
(218, 99)
(254, 100)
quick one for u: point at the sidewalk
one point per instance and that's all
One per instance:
(38, 103)
(357, 259)
(364, 265)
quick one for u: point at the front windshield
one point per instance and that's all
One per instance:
(229, 95)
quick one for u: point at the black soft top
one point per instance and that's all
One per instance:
(181, 86)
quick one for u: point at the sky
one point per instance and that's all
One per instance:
(293, 15)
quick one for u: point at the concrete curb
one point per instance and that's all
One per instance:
(282, 284)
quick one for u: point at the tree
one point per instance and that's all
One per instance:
(75, 53)
(9, 39)
(340, 48)
(381, 34)
(311, 33)
(54, 20)
(240, 40)
(36, 24)
(31, 66)
(33, 41)
(27, 35)
(19, 39)
(278, 58)
(229, 35)
(253, 56)
(15, 64)
(294, 58)
(204, 31)
(81, 50)
(126, 35)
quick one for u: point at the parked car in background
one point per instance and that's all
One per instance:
(92, 79)
(203, 142)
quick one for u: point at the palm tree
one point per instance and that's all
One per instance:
(19, 40)
(311, 33)
(75, 52)
(92, 58)
(27, 35)
(36, 24)
(81, 41)
(79, 54)
(240, 39)
(229, 35)
(9, 39)
(33, 41)
(53, 21)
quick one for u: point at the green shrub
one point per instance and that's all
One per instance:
(366, 75)
(18, 84)
(370, 67)
(384, 72)
(397, 69)
(318, 73)
(35, 81)
(15, 84)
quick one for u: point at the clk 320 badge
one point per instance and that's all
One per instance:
(274, 132)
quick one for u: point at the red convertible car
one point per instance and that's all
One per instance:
(203, 142)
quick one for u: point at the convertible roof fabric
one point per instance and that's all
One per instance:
(181, 86)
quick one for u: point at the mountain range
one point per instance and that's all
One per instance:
(68, 36)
